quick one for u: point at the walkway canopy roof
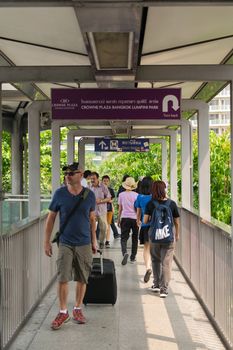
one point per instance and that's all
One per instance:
(127, 44)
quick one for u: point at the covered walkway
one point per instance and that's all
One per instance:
(112, 47)
(139, 320)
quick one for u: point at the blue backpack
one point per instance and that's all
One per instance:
(161, 224)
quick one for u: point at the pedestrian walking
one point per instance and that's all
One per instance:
(142, 199)
(102, 196)
(127, 219)
(163, 215)
(77, 240)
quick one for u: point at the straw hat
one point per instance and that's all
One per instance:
(129, 184)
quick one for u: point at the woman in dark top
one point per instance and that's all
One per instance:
(161, 248)
(142, 199)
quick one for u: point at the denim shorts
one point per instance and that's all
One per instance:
(74, 263)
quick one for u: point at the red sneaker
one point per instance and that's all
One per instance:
(59, 320)
(78, 316)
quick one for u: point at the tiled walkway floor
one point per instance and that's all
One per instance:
(140, 320)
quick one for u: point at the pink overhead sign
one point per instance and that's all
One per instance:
(113, 104)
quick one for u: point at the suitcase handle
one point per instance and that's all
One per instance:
(101, 261)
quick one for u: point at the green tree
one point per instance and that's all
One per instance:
(220, 172)
(133, 164)
(6, 161)
(141, 164)
(220, 175)
(46, 158)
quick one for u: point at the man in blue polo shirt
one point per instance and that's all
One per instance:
(76, 242)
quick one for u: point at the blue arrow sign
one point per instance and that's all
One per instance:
(121, 145)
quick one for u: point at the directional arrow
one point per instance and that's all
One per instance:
(102, 144)
(167, 99)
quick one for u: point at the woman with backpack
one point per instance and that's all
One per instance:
(140, 204)
(162, 214)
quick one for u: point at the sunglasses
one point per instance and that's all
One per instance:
(71, 173)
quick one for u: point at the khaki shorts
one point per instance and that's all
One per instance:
(74, 263)
(109, 217)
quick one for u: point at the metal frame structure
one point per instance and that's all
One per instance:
(122, 16)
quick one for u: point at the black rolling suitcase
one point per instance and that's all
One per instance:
(102, 284)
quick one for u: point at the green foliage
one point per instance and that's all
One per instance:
(46, 158)
(220, 173)
(141, 164)
(89, 163)
(133, 164)
(6, 161)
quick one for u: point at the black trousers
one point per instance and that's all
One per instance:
(114, 228)
(127, 225)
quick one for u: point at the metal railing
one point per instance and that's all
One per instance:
(204, 255)
(26, 273)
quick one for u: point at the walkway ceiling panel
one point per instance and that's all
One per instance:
(26, 55)
(56, 27)
(10, 106)
(109, 39)
(187, 89)
(209, 53)
(172, 26)
(8, 87)
(46, 88)
(144, 126)
(14, 95)
(95, 127)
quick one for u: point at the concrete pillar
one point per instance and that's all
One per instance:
(70, 147)
(164, 160)
(34, 161)
(55, 155)
(204, 162)
(231, 104)
(1, 191)
(81, 150)
(185, 165)
(173, 167)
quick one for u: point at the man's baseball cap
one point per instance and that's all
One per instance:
(71, 167)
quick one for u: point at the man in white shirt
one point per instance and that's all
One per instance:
(86, 178)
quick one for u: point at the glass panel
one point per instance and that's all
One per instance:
(15, 209)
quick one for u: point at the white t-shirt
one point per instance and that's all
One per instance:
(84, 182)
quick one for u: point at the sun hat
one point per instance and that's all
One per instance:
(129, 184)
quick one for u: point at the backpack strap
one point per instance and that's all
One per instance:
(167, 203)
(156, 203)
(85, 193)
